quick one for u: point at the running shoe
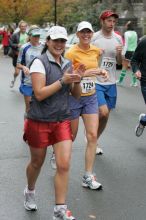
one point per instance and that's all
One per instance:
(99, 151)
(12, 83)
(63, 214)
(140, 127)
(29, 201)
(53, 161)
(134, 84)
(119, 83)
(90, 181)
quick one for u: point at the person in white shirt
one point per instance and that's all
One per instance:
(111, 45)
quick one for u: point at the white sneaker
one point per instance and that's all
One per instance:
(140, 127)
(53, 161)
(63, 214)
(99, 151)
(90, 181)
(29, 201)
(12, 84)
(119, 83)
(134, 84)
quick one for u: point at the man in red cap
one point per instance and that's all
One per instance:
(111, 46)
(108, 13)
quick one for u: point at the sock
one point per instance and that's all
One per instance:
(87, 173)
(122, 75)
(29, 191)
(57, 207)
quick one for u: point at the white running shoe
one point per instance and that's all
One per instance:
(119, 83)
(53, 161)
(140, 127)
(29, 201)
(134, 84)
(63, 214)
(12, 83)
(90, 181)
(99, 151)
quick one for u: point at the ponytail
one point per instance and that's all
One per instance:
(45, 47)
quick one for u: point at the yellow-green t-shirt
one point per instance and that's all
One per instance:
(23, 38)
(90, 59)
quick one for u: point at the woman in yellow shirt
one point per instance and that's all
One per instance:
(86, 106)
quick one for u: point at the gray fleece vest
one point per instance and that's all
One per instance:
(56, 107)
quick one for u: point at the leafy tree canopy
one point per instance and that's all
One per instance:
(68, 12)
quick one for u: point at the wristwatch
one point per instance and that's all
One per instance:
(61, 82)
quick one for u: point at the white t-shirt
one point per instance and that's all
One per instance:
(108, 58)
(37, 67)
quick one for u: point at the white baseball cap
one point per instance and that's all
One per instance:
(57, 32)
(84, 25)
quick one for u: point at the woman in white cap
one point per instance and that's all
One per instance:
(48, 119)
(86, 106)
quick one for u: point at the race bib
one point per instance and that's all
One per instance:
(88, 85)
(108, 64)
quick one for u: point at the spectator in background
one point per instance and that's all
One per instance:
(6, 32)
(16, 41)
(130, 39)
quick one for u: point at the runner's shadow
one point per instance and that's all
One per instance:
(142, 151)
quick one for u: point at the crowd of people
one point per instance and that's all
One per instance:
(6, 32)
(60, 86)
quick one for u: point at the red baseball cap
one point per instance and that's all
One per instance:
(108, 13)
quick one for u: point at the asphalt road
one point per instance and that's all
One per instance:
(121, 170)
